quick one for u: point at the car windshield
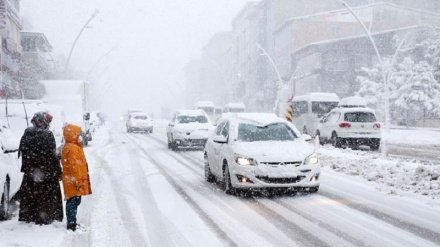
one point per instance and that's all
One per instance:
(141, 118)
(273, 132)
(191, 119)
(361, 117)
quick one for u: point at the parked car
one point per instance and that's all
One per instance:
(350, 124)
(259, 150)
(10, 166)
(189, 128)
(140, 122)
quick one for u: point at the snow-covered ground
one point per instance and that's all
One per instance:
(147, 195)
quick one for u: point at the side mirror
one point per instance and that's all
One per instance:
(322, 120)
(171, 124)
(306, 137)
(220, 139)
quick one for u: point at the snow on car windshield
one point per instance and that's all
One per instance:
(192, 119)
(273, 132)
(361, 117)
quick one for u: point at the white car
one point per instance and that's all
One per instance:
(189, 128)
(259, 150)
(10, 166)
(350, 126)
(140, 122)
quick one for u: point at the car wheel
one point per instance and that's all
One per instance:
(174, 145)
(4, 203)
(209, 177)
(305, 131)
(374, 146)
(321, 140)
(151, 131)
(227, 185)
(336, 141)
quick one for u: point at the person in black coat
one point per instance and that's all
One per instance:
(40, 192)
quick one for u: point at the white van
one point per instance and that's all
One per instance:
(207, 106)
(310, 108)
(235, 107)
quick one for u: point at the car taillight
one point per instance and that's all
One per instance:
(376, 126)
(344, 125)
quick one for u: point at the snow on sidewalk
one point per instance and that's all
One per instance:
(395, 174)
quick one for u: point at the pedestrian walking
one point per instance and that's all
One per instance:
(76, 180)
(40, 191)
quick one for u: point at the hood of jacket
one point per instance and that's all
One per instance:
(71, 133)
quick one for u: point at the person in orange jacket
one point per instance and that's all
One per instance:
(76, 179)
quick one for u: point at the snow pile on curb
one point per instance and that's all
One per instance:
(401, 174)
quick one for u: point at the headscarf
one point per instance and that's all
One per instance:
(41, 120)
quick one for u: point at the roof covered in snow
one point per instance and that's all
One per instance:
(354, 101)
(259, 118)
(323, 97)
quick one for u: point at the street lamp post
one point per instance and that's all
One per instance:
(384, 77)
(280, 79)
(76, 40)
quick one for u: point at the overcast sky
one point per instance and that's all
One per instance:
(153, 41)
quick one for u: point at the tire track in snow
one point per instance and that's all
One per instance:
(210, 222)
(158, 226)
(294, 231)
(399, 223)
(105, 171)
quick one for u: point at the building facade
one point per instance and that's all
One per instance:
(36, 64)
(10, 27)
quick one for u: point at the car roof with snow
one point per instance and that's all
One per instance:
(256, 118)
(143, 114)
(323, 97)
(353, 109)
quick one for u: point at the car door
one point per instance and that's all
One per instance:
(328, 125)
(170, 127)
(224, 148)
(212, 148)
(219, 148)
(323, 126)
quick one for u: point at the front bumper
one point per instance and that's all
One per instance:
(189, 142)
(302, 176)
(141, 128)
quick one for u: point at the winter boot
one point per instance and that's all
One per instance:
(71, 226)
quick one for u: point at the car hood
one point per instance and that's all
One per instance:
(275, 151)
(190, 127)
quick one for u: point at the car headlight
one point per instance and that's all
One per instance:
(245, 161)
(312, 159)
(133, 124)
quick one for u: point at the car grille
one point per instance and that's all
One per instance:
(295, 163)
(290, 180)
(200, 142)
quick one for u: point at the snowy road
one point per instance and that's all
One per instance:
(161, 199)
(147, 195)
